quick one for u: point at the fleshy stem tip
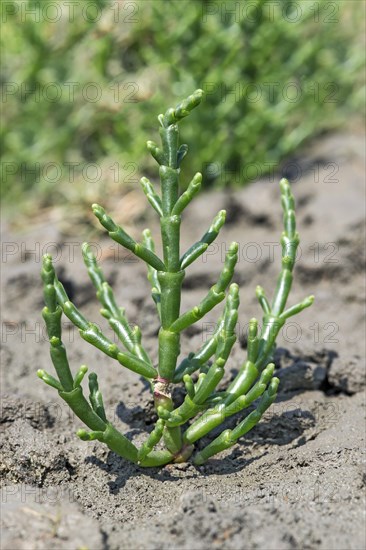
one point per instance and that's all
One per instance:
(234, 246)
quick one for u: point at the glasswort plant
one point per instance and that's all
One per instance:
(204, 408)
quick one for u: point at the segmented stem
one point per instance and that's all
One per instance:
(201, 372)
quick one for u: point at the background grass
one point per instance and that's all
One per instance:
(83, 83)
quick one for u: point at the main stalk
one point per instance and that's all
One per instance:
(171, 279)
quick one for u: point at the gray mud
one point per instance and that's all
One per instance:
(296, 481)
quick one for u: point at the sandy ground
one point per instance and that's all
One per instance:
(296, 481)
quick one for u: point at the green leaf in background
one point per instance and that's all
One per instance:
(81, 81)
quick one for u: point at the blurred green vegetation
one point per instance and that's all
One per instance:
(83, 81)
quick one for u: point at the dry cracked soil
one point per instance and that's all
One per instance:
(297, 481)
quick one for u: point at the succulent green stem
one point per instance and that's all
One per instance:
(171, 278)
(206, 405)
(228, 438)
